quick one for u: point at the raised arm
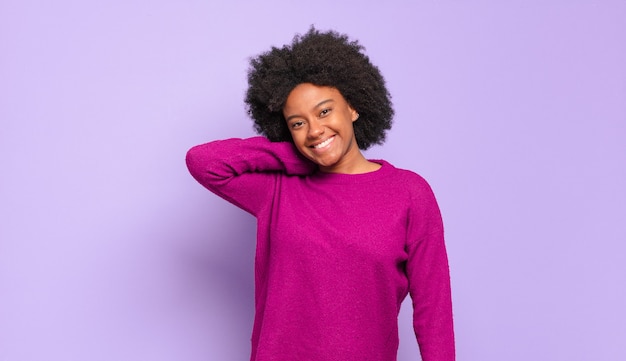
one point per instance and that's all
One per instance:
(429, 279)
(244, 171)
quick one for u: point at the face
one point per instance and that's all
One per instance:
(320, 121)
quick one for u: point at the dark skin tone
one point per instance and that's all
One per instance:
(321, 124)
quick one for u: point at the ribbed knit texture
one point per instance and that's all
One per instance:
(336, 254)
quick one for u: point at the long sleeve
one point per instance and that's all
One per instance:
(429, 279)
(244, 171)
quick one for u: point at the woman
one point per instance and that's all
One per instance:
(341, 239)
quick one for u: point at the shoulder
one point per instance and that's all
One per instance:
(421, 200)
(410, 186)
(404, 178)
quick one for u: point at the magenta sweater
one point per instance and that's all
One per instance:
(336, 253)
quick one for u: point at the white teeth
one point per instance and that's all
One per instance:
(324, 143)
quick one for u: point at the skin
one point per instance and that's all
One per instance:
(321, 124)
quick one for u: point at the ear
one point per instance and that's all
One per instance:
(354, 114)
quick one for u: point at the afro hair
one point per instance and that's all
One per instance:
(322, 59)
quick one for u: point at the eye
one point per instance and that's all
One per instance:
(297, 124)
(325, 112)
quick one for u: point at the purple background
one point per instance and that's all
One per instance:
(514, 111)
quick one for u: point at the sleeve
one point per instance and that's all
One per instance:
(429, 278)
(244, 171)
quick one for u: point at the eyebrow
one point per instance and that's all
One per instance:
(315, 107)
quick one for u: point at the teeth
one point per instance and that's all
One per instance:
(324, 143)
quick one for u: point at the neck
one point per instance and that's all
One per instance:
(357, 165)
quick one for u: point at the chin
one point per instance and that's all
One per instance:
(326, 163)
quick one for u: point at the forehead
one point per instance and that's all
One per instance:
(307, 95)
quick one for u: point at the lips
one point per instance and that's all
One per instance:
(324, 143)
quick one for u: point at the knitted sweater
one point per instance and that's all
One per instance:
(336, 254)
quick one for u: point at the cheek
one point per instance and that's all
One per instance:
(299, 142)
(297, 138)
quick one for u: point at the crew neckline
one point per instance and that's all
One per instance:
(385, 168)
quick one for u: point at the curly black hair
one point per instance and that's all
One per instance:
(324, 59)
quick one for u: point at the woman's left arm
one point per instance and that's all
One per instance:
(429, 277)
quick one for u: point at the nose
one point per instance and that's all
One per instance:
(316, 129)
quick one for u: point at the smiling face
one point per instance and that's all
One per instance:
(320, 121)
